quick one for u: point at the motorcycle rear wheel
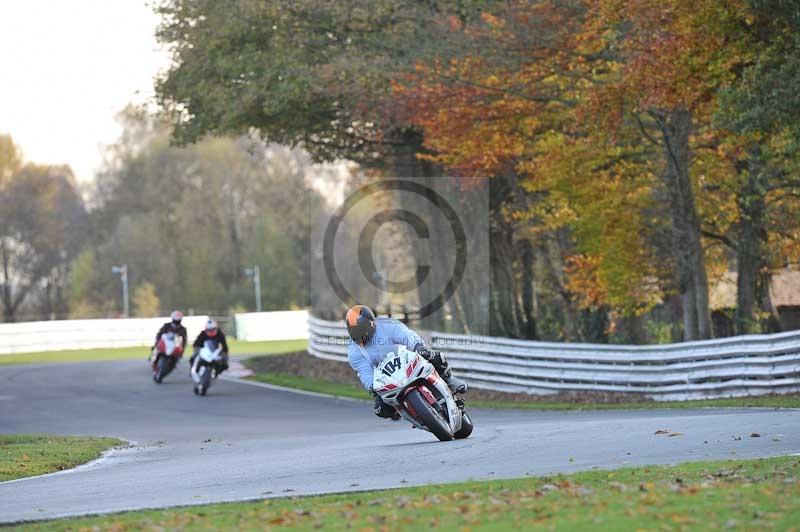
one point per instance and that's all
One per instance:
(429, 416)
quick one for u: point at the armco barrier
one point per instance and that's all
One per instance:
(280, 325)
(738, 366)
(59, 335)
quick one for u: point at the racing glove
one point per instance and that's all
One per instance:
(380, 408)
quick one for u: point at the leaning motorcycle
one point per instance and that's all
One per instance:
(206, 361)
(166, 353)
(410, 384)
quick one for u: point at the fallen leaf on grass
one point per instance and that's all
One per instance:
(402, 501)
(619, 486)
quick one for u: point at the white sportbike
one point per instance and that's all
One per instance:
(204, 363)
(410, 384)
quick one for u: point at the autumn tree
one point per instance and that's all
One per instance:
(10, 159)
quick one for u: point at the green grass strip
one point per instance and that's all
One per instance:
(772, 401)
(312, 385)
(346, 390)
(26, 455)
(738, 495)
(141, 352)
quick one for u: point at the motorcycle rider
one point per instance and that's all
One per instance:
(372, 337)
(212, 331)
(173, 326)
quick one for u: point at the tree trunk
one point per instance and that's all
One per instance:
(526, 265)
(692, 279)
(501, 256)
(749, 254)
(406, 165)
(753, 278)
(8, 307)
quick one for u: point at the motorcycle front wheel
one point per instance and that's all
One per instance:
(162, 368)
(205, 380)
(466, 427)
(429, 416)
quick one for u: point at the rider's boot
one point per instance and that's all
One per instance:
(456, 385)
(439, 362)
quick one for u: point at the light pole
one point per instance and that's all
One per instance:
(122, 271)
(255, 274)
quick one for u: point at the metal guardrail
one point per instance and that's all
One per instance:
(727, 367)
(59, 335)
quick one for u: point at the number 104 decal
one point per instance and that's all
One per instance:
(391, 367)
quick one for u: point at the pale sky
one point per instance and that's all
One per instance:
(66, 68)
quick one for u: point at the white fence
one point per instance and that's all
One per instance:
(738, 366)
(280, 325)
(35, 336)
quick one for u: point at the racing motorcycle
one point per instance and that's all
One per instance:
(410, 384)
(166, 353)
(204, 364)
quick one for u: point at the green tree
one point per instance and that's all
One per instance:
(43, 225)
(761, 113)
(190, 219)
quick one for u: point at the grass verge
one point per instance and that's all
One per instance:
(311, 385)
(26, 455)
(346, 390)
(740, 495)
(141, 352)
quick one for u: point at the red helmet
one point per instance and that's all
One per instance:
(211, 328)
(176, 316)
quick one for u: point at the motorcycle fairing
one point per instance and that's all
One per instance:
(402, 370)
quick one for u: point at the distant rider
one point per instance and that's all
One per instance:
(212, 332)
(173, 326)
(373, 337)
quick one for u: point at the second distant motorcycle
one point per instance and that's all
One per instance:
(210, 357)
(206, 366)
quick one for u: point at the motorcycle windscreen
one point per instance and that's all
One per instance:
(211, 344)
(392, 371)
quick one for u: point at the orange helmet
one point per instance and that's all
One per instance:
(360, 324)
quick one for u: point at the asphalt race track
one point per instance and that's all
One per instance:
(245, 442)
